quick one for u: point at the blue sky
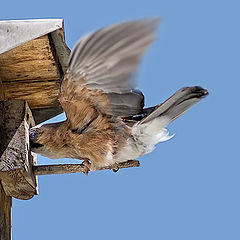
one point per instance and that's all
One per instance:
(188, 188)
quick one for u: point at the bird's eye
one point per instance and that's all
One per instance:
(32, 135)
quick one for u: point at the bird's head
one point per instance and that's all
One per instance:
(46, 140)
(42, 137)
(37, 139)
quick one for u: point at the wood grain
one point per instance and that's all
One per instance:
(31, 72)
(16, 159)
(76, 168)
(5, 215)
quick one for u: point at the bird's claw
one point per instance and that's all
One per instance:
(115, 170)
(87, 166)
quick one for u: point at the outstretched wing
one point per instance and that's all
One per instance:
(102, 65)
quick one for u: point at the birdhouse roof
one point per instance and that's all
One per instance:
(33, 60)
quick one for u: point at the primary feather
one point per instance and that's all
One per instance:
(107, 61)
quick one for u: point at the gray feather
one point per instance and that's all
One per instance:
(108, 60)
(177, 104)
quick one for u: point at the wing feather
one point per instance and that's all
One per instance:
(105, 63)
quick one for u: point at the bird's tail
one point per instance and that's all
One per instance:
(177, 104)
(151, 129)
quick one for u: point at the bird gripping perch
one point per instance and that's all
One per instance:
(76, 168)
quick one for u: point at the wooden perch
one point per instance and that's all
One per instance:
(76, 168)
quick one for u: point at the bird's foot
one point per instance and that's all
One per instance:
(88, 167)
(115, 170)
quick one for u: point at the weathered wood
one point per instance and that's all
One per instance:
(62, 52)
(5, 215)
(29, 72)
(33, 60)
(16, 159)
(2, 96)
(76, 168)
(33, 71)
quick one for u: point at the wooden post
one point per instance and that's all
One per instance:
(16, 159)
(5, 215)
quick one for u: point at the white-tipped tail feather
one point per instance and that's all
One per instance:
(151, 133)
(144, 138)
(152, 129)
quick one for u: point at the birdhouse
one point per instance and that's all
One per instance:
(33, 59)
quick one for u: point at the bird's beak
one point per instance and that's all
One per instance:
(33, 136)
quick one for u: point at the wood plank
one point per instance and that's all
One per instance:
(62, 50)
(16, 159)
(32, 60)
(43, 94)
(31, 72)
(5, 215)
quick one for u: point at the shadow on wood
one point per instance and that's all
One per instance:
(16, 158)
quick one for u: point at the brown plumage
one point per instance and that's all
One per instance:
(106, 121)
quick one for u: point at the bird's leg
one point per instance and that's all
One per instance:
(87, 166)
(115, 170)
(90, 167)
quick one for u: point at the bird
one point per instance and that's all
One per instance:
(106, 122)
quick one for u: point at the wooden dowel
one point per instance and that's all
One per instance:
(76, 168)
